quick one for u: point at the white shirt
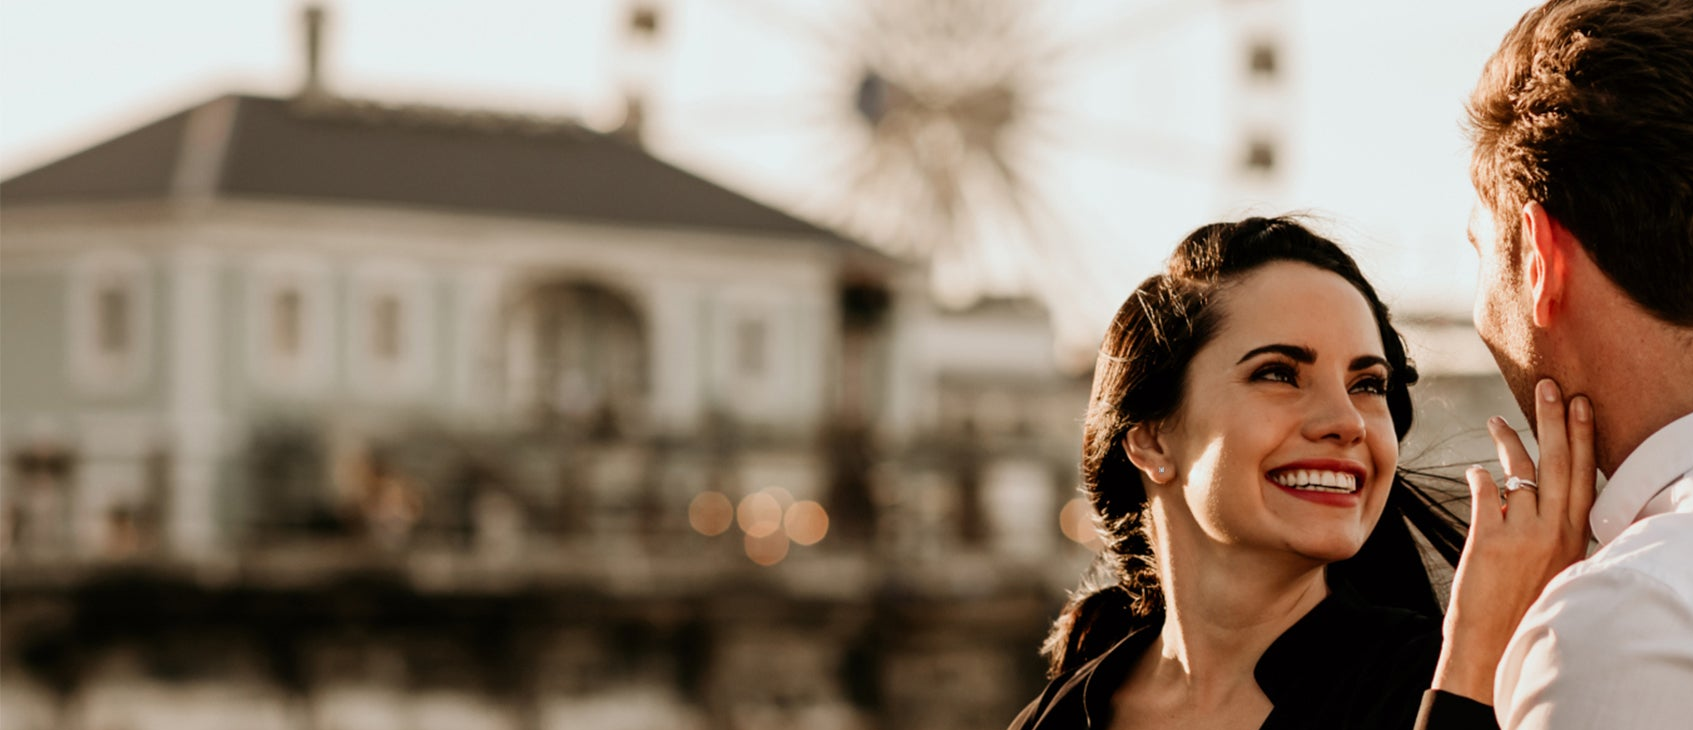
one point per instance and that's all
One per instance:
(1609, 644)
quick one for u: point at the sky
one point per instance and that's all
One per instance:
(743, 91)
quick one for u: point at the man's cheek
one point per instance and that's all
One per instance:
(1481, 314)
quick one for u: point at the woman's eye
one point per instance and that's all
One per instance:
(1371, 385)
(1276, 373)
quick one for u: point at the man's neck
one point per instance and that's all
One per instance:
(1639, 377)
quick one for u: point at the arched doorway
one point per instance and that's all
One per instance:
(577, 358)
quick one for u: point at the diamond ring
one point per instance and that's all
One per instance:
(1512, 484)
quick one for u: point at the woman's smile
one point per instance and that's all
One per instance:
(1330, 482)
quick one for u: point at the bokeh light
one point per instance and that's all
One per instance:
(769, 549)
(806, 522)
(760, 515)
(711, 513)
(1076, 520)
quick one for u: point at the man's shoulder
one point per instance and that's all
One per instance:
(1610, 641)
(1658, 548)
(1652, 559)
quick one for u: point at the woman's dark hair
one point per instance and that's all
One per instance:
(1139, 378)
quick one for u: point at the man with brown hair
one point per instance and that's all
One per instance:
(1583, 164)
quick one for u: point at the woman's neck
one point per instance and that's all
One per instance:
(1223, 610)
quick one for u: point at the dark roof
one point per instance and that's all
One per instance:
(329, 149)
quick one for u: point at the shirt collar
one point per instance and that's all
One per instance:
(1655, 464)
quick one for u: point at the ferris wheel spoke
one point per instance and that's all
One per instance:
(835, 37)
(879, 198)
(1066, 274)
(1124, 32)
(758, 116)
(1075, 255)
(1138, 148)
(1046, 244)
(1037, 214)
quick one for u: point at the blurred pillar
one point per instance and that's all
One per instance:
(194, 424)
(863, 306)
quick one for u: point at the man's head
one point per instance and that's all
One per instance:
(1583, 163)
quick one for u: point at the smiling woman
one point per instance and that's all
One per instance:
(1288, 399)
(1241, 452)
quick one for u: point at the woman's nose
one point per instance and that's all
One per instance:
(1333, 416)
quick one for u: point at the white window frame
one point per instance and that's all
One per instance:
(761, 396)
(752, 363)
(308, 370)
(410, 370)
(95, 370)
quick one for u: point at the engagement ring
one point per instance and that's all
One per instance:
(1512, 484)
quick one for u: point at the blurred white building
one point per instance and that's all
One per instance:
(320, 413)
(264, 347)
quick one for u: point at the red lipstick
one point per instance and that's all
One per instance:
(1332, 499)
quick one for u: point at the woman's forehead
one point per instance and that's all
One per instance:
(1299, 304)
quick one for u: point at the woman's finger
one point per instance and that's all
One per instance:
(1553, 472)
(1582, 472)
(1485, 507)
(1514, 457)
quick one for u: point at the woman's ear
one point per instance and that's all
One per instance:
(1146, 452)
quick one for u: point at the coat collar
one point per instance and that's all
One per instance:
(1325, 642)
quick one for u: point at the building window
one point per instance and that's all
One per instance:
(109, 302)
(390, 337)
(112, 320)
(289, 342)
(1260, 156)
(285, 323)
(385, 324)
(1262, 60)
(750, 347)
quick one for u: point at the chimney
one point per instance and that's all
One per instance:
(312, 86)
(634, 113)
(644, 24)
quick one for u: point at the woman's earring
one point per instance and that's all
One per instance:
(1160, 470)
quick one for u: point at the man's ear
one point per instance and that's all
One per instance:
(1548, 251)
(1146, 451)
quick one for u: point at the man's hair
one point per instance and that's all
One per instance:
(1587, 108)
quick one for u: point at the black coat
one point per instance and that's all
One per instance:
(1346, 664)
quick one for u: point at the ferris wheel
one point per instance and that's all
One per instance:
(1055, 149)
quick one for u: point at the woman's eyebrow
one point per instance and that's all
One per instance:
(1364, 362)
(1306, 355)
(1295, 353)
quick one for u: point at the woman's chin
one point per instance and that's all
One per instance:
(1330, 550)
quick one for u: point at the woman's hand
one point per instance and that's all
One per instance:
(1518, 540)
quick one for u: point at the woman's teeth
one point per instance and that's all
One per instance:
(1316, 480)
